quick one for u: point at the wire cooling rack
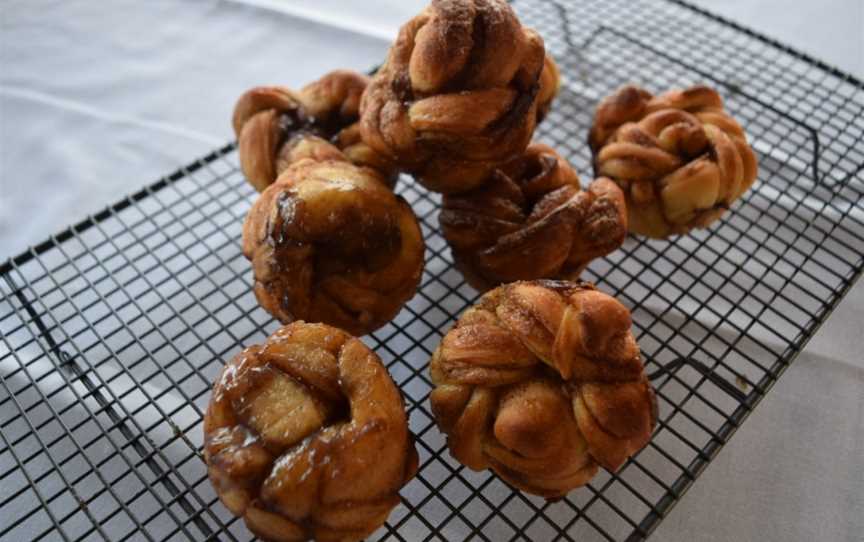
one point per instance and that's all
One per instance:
(113, 330)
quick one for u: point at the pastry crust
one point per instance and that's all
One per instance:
(268, 119)
(306, 437)
(531, 220)
(329, 242)
(458, 93)
(543, 383)
(550, 85)
(679, 157)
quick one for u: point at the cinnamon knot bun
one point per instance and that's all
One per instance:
(680, 158)
(543, 383)
(532, 220)
(267, 118)
(329, 242)
(306, 437)
(458, 93)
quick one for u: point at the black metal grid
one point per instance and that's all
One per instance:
(113, 329)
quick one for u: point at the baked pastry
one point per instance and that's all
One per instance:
(306, 437)
(266, 119)
(531, 220)
(542, 382)
(329, 242)
(457, 94)
(550, 85)
(681, 160)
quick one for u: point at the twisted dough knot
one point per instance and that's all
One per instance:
(542, 382)
(531, 220)
(679, 157)
(458, 93)
(267, 119)
(306, 436)
(330, 243)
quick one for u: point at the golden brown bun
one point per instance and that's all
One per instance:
(266, 119)
(457, 94)
(329, 242)
(306, 437)
(542, 382)
(531, 220)
(681, 160)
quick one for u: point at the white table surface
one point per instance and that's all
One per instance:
(98, 99)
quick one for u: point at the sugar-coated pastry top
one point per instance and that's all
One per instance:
(680, 158)
(266, 119)
(329, 242)
(543, 382)
(306, 437)
(531, 220)
(458, 93)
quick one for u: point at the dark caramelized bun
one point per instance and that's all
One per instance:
(531, 220)
(329, 242)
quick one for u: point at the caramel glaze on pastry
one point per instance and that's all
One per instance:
(681, 160)
(266, 119)
(306, 437)
(542, 382)
(531, 220)
(329, 242)
(457, 94)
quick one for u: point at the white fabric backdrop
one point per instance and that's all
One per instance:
(98, 99)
